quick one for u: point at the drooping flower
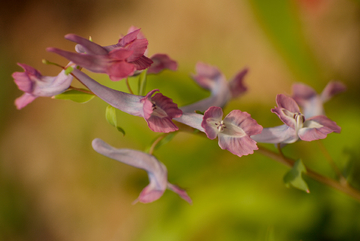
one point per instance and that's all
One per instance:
(156, 170)
(210, 78)
(158, 110)
(233, 131)
(310, 102)
(118, 61)
(35, 85)
(296, 124)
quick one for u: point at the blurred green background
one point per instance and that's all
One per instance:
(53, 186)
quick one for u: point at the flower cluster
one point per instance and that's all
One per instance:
(237, 132)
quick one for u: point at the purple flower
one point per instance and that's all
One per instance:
(34, 84)
(312, 103)
(233, 131)
(156, 170)
(161, 62)
(118, 61)
(158, 110)
(210, 78)
(296, 125)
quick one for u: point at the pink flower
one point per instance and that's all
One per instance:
(156, 170)
(118, 61)
(233, 131)
(34, 84)
(296, 125)
(210, 78)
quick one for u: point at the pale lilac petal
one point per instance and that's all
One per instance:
(308, 100)
(88, 46)
(302, 92)
(331, 89)
(94, 63)
(24, 100)
(275, 135)
(212, 115)
(125, 102)
(156, 170)
(286, 108)
(236, 84)
(23, 80)
(239, 146)
(193, 120)
(161, 62)
(182, 193)
(318, 127)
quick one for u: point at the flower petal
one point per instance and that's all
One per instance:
(211, 116)
(24, 100)
(156, 170)
(239, 146)
(286, 108)
(275, 135)
(182, 193)
(318, 127)
(236, 84)
(331, 89)
(161, 62)
(87, 46)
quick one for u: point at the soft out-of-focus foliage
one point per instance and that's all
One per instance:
(55, 187)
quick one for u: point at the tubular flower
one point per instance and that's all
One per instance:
(156, 170)
(34, 84)
(296, 125)
(158, 110)
(233, 131)
(118, 61)
(312, 103)
(210, 78)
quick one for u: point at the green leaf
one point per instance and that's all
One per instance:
(168, 137)
(75, 95)
(142, 82)
(294, 177)
(110, 115)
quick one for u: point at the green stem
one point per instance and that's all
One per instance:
(345, 188)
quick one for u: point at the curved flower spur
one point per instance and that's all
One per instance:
(158, 110)
(296, 125)
(156, 170)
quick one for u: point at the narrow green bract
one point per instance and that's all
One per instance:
(110, 115)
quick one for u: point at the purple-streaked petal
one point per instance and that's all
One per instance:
(275, 135)
(156, 170)
(211, 117)
(317, 127)
(142, 63)
(182, 193)
(243, 121)
(239, 146)
(286, 109)
(159, 111)
(24, 100)
(331, 89)
(125, 102)
(88, 46)
(236, 84)
(161, 62)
